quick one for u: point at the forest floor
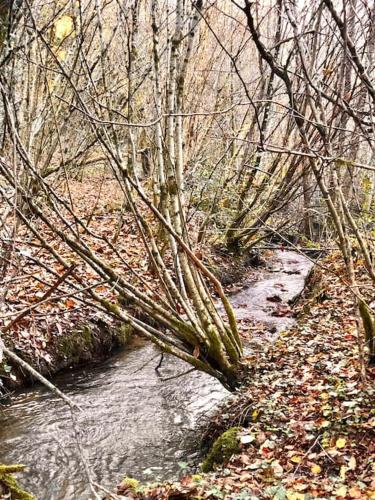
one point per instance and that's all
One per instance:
(64, 329)
(306, 415)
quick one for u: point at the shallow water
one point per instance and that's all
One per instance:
(267, 299)
(133, 422)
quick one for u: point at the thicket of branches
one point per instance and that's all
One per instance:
(221, 122)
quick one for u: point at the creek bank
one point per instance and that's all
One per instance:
(133, 422)
(234, 268)
(36, 336)
(88, 343)
(306, 413)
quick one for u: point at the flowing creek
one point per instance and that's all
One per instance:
(133, 422)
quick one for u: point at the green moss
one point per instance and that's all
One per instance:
(9, 483)
(123, 333)
(306, 242)
(197, 478)
(78, 341)
(223, 448)
(111, 307)
(129, 483)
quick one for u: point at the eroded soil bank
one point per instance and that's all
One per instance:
(135, 422)
(88, 343)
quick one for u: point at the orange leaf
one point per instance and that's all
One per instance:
(70, 303)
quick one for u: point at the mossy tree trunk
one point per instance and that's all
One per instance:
(8, 484)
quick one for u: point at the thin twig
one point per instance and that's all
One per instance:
(178, 376)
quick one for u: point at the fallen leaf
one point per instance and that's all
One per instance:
(63, 27)
(295, 496)
(341, 443)
(316, 469)
(355, 492)
(247, 439)
(70, 303)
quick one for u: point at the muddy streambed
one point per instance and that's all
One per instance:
(133, 422)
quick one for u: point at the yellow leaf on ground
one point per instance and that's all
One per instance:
(341, 443)
(61, 54)
(355, 492)
(343, 470)
(296, 459)
(316, 469)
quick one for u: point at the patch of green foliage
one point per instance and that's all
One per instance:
(129, 483)
(79, 341)
(223, 448)
(124, 333)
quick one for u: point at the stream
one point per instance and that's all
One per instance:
(133, 422)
